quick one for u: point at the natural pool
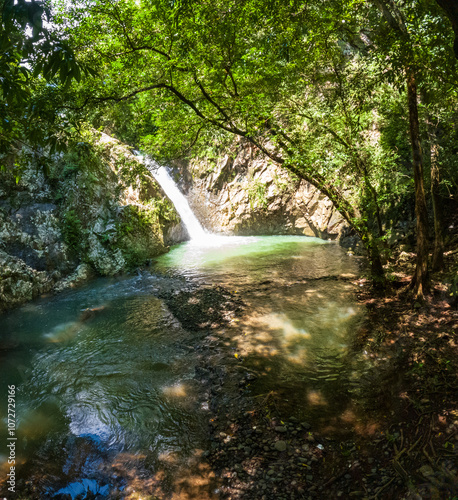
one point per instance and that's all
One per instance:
(108, 401)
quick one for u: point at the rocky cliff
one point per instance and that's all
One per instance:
(247, 194)
(94, 210)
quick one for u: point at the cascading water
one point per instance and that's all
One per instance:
(198, 235)
(193, 226)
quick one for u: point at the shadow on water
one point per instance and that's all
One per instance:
(109, 403)
(298, 345)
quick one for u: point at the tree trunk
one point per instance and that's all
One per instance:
(438, 253)
(395, 19)
(375, 260)
(420, 278)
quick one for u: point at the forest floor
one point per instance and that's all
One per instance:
(410, 453)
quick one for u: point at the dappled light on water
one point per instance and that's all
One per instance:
(298, 325)
(109, 393)
(316, 398)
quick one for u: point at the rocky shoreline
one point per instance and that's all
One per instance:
(259, 453)
(96, 211)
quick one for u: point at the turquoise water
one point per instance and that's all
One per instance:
(107, 398)
(251, 259)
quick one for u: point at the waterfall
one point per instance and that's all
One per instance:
(193, 226)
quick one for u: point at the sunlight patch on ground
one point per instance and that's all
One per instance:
(349, 419)
(191, 479)
(168, 457)
(316, 398)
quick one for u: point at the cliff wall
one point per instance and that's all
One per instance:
(246, 194)
(92, 211)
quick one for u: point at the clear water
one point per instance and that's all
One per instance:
(300, 321)
(244, 260)
(107, 400)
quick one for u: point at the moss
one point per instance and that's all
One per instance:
(139, 232)
(72, 230)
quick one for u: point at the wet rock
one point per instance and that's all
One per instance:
(49, 227)
(20, 283)
(249, 196)
(83, 273)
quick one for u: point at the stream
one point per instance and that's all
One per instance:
(109, 400)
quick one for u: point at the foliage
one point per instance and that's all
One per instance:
(34, 63)
(130, 171)
(72, 230)
(257, 194)
(317, 87)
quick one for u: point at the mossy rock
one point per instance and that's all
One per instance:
(140, 234)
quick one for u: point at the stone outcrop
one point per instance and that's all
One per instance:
(98, 212)
(246, 194)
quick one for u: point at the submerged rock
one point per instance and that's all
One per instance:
(280, 446)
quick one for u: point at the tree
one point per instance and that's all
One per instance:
(451, 9)
(234, 68)
(285, 76)
(407, 57)
(30, 56)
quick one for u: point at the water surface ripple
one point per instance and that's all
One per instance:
(107, 399)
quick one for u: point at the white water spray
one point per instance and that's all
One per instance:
(199, 236)
(193, 226)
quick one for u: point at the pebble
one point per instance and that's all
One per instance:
(280, 445)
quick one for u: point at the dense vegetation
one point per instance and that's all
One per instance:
(359, 98)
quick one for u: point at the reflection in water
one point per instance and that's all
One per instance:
(249, 260)
(122, 381)
(107, 399)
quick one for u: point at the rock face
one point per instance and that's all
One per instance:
(97, 211)
(246, 194)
